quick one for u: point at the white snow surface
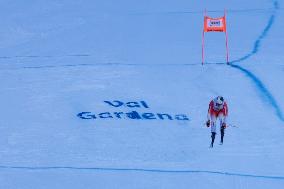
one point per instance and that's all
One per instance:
(60, 58)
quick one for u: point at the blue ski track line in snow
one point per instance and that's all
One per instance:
(144, 170)
(267, 96)
(261, 37)
(264, 92)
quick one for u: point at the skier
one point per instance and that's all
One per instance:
(218, 109)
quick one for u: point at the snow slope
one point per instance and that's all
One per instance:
(60, 58)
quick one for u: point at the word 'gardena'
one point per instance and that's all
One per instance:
(135, 115)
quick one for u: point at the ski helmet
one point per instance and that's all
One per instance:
(220, 100)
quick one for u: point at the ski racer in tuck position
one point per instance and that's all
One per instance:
(218, 110)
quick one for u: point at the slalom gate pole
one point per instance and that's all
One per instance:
(203, 47)
(226, 33)
(203, 39)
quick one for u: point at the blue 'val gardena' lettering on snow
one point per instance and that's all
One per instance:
(135, 115)
(117, 103)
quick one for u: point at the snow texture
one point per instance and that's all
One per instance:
(112, 94)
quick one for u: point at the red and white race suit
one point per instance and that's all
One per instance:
(216, 111)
